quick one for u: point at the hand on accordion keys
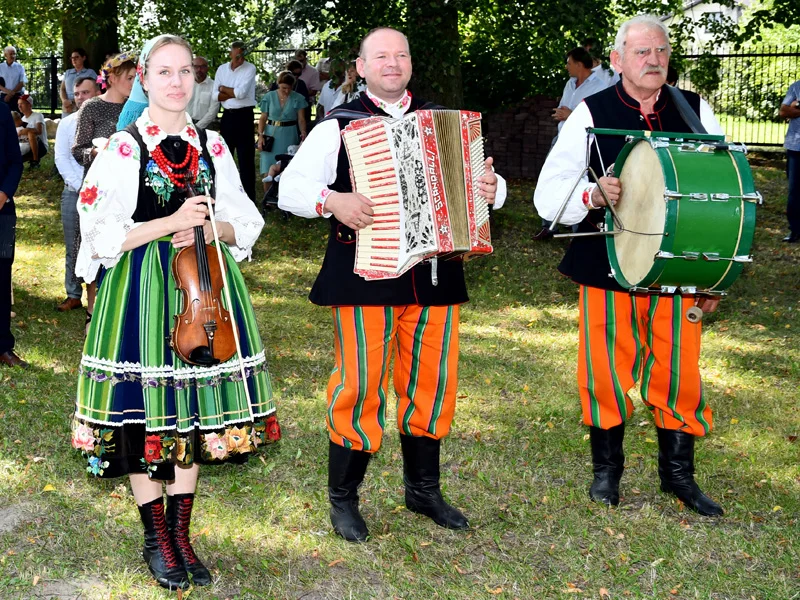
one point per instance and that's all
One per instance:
(489, 182)
(353, 209)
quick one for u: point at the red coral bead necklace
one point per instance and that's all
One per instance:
(170, 169)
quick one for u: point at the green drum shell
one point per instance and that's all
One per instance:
(724, 228)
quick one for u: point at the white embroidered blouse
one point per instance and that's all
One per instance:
(110, 192)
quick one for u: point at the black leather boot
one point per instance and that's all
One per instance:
(179, 515)
(676, 469)
(421, 476)
(346, 469)
(608, 463)
(159, 552)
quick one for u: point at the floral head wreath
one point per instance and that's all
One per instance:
(113, 63)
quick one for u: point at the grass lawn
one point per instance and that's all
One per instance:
(517, 460)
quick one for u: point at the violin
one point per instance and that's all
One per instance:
(204, 333)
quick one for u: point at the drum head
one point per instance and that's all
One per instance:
(642, 209)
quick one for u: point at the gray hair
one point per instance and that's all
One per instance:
(646, 22)
(7, 48)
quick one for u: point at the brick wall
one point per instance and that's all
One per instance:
(519, 138)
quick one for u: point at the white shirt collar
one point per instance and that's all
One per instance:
(395, 109)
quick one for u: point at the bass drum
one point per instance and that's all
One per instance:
(687, 216)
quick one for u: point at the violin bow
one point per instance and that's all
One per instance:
(228, 298)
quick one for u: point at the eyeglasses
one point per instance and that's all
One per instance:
(75, 57)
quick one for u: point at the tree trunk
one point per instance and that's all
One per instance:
(92, 26)
(432, 27)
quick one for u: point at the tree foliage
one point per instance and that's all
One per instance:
(487, 52)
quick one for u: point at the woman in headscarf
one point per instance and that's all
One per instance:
(141, 410)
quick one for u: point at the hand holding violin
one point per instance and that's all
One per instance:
(191, 214)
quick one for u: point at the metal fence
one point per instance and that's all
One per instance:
(44, 79)
(745, 88)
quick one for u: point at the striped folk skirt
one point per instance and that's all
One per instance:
(139, 408)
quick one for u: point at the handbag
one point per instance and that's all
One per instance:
(269, 141)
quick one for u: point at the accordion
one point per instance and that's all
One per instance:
(422, 173)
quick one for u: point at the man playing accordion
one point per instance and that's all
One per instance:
(410, 316)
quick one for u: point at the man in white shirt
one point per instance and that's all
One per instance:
(14, 77)
(204, 106)
(583, 82)
(609, 76)
(72, 174)
(36, 131)
(235, 88)
(374, 319)
(624, 336)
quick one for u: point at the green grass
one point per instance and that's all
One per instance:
(517, 460)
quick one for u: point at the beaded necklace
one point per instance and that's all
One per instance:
(175, 171)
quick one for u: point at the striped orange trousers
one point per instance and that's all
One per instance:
(424, 342)
(625, 338)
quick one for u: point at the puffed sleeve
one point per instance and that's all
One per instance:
(299, 101)
(233, 205)
(106, 203)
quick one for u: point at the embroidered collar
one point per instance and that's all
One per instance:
(400, 106)
(153, 135)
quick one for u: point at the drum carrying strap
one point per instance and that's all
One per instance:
(687, 114)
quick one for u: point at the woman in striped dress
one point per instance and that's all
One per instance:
(140, 410)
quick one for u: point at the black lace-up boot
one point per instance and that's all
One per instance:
(179, 515)
(159, 552)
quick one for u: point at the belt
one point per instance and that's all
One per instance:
(282, 123)
(235, 109)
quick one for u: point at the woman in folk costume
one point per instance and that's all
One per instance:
(141, 411)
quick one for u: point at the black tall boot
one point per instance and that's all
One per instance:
(608, 463)
(179, 515)
(676, 469)
(346, 469)
(159, 552)
(421, 476)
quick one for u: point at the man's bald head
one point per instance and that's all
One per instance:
(363, 48)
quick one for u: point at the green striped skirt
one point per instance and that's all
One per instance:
(139, 407)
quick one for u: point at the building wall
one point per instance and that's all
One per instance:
(520, 138)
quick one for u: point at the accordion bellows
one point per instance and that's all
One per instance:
(422, 173)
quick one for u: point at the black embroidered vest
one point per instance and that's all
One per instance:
(337, 285)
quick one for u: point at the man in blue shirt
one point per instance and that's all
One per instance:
(10, 174)
(790, 109)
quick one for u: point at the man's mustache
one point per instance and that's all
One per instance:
(651, 69)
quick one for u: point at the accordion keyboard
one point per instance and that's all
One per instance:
(374, 176)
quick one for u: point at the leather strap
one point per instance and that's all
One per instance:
(687, 114)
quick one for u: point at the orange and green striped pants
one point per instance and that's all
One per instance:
(424, 343)
(625, 338)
